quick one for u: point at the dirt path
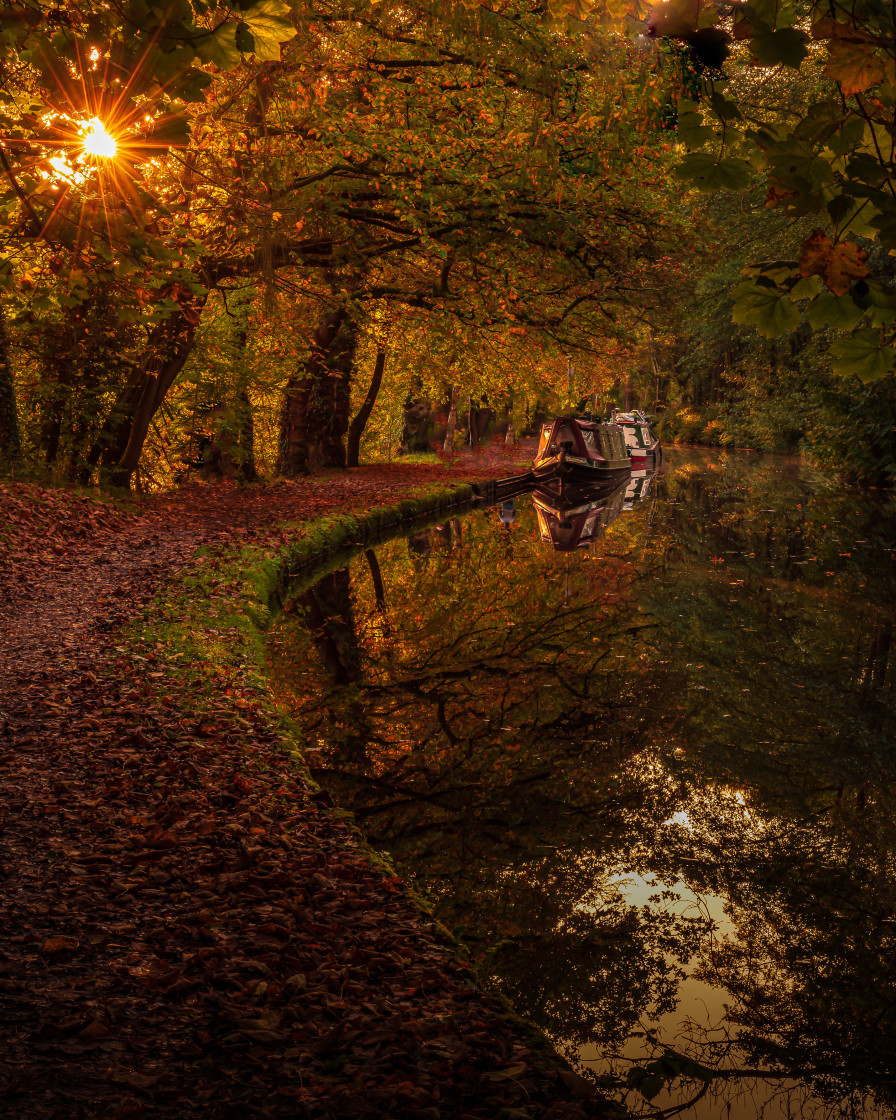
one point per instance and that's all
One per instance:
(184, 929)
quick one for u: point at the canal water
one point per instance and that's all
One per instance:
(649, 781)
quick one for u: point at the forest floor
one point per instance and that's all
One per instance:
(186, 928)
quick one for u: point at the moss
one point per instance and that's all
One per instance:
(208, 631)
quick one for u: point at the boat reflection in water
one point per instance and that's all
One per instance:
(569, 519)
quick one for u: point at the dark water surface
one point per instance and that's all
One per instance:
(649, 782)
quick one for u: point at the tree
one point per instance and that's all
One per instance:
(831, 159)
(10, 443)
(465, 161)
(95, 96)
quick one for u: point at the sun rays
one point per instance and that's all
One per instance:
(96, 142)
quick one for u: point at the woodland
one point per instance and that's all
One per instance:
(275, 276)
(247, 238)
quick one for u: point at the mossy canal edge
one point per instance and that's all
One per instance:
(205, 637)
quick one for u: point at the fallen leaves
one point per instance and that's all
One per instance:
(187, 930)
(60, 944)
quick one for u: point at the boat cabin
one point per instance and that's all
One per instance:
(577, 438)
(581, 439)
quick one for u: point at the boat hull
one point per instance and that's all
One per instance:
(647, 460)
(565, 472)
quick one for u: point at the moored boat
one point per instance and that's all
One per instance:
(580, 453)
(642, 445)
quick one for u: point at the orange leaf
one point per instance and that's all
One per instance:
(838, 265)
(815, 254)
(59, 944)
(847, 264)
(854, 66)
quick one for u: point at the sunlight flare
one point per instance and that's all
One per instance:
(96, 141)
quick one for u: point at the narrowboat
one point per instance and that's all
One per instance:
(642, 445)
(574, 452)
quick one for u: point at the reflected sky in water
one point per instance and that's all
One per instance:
(648, 781)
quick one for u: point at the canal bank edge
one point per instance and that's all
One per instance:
(205, 639)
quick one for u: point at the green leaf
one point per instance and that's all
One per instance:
(860, 354)
(848, 136)
(880, 303)
(724, 108)
(786, 47)
(839, 313)
(709, 174)
(772, 12)
(806, 287)
(885, 225)
(821, 120)
(245, 41)
(191, 84)
(692, 132)
(270, 25)
(765, 308)
(219, 47)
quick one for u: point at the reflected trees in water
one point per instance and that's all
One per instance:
(706, 704)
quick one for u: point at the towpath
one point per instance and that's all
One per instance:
(185, 930)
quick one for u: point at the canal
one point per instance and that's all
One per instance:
(648, 781)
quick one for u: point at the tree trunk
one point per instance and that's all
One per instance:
(331, 622)
(875, 674)
(509, 434)
(10, 443)
(244, 444)
(628, 398)
(473, 425)
(245, 471)
(376, 576)
(314, 417)
(58, 378)
(448, 445)
(357, 426)
(120, 443)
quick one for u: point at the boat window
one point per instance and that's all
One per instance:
(543, 442)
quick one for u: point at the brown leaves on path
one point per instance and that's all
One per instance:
(186, 930)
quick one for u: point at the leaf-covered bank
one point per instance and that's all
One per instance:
(190, 928)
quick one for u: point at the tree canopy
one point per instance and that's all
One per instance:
(333, 179)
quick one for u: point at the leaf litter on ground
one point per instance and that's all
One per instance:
(187, 928)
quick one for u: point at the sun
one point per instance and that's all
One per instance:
(96, 141)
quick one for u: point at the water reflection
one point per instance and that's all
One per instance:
(649, 782)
